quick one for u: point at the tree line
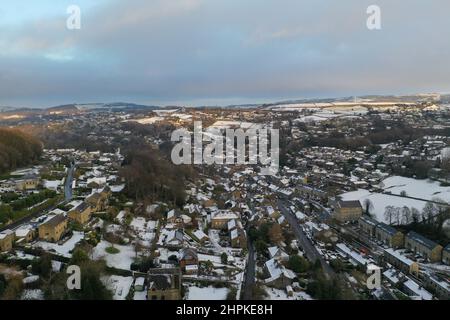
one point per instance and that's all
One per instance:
(17, 149)
(150, 175)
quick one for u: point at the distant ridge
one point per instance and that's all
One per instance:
(117, 106)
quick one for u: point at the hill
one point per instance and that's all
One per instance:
(17, 149)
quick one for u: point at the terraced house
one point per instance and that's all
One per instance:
(6, 240)
(428, 249)
(98, 201)
(389, 235)
(348, 211)
(27, 184)
(53, 228)
(368, 225)
(81, 213)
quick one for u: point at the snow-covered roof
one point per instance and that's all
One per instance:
(398, 254)
(417, 290)
(199, 234)
(23, 231)
(276, 269)
(352, 254)
(139, 281)
(393, 275)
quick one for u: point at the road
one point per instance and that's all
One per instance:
(68, 184)
(249, 276)
(67, 197)
(311, 252)
(249, 280)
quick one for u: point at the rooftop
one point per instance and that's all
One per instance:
(55, 220)
(350, 204)
(422, 240)
(386, 228)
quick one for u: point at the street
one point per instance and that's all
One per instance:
(311, 252)
(249, 280)
(249, 276)
(68, 184)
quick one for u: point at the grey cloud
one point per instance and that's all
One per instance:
(186, 50)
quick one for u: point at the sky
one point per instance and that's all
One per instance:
(219, 52)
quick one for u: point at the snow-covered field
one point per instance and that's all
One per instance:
(422, 189)
(276, 294)
(207, 293)
(63, 249)
(121, 260)
(381, 201)
(149, 120)
(120, 286)
(34, 294)
(226, 124)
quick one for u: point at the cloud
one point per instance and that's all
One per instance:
(192, 50)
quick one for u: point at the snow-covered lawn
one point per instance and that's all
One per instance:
(381, 201)
(216, 260)
(422, 189)
(120, 286)
(32, 295)
(63, 249)
(144, 230)
(140, 295)
(207, 293)
(21, 255)
(121, 260)
(276, 294)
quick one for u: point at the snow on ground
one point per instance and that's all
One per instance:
(207, 293)
(225, 124)
(121, 260)
(216, 260)
(381, 201)
(21, 255)
(120, 286)
(56, 266)
(276, 294)
(149, 120)
(30, 279)
(165, 253)
(140, 295)
(143, 230)
(311, 119)
(121, 216)
(214, 238)
(114, 228)
(63, 249)
(138, 224)
(422, 189)
(32, 295)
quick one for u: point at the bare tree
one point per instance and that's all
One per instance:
(429, 211)
(406, 215)
(397, 214)
(415, 215)
(389, 213)
(445, 167)
(368, 205)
